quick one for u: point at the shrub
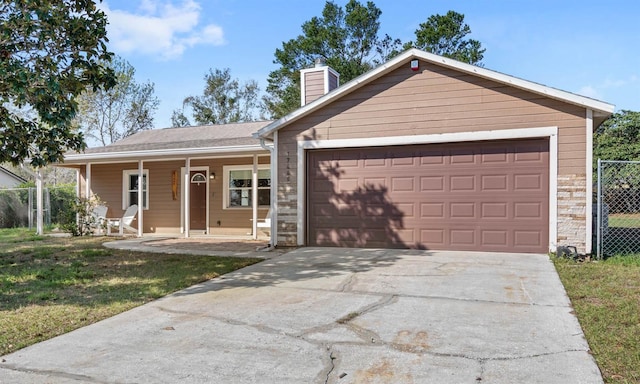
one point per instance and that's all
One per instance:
(82, 209)
(62, 200)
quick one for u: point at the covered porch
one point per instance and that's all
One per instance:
(215, 187)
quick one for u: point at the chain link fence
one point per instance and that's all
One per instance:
(18, 206)
(618, 208)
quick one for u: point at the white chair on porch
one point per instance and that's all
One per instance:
(265, 225)
(98, 217)
(123, 222)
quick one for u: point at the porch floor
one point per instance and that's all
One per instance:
(214, 245)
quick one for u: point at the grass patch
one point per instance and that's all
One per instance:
(606, 298)
(624, 220)
(347, 318)
(50, 286)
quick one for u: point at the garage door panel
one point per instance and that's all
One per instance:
(462, 183)
(466, 196)
(494, 210)
(432, 183)
(493, 157)
(495, 182)
(463, 211)
(345, 184)
(462, 237)
(374, 181)
(528, 210)
(496, 238)
(403, 162)
(402, 184)
(462, 156)
(432, 210)
(431, 158)
(368, 163)
(524, 238)
(433, 236)
(527, 181)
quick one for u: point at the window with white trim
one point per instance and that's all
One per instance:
(130, 188)
(238, 183)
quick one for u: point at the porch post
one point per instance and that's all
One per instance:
(254, 198)
(39, 207)
(141, 199)
(78, 193)
(87, 182)
(187, 190)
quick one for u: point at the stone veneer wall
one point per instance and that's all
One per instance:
(287, 216)
(572, 219)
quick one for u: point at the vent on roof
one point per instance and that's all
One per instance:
(317, 81)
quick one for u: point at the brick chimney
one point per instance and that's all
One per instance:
(317, 81)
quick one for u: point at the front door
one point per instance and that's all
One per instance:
(198, 201)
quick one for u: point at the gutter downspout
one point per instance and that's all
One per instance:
(273, 234)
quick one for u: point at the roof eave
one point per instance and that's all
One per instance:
(146, 154)
(599, 107)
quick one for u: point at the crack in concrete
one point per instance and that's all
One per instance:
(482, 363)
(483, 360)
(348, 284)
(524, 290)
(331, 367)
(71, 376)
(258, 327)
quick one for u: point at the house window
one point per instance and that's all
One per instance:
(238, 182)
(130, 188)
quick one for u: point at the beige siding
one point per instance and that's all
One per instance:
(439, 100)
(314, 85)
(163, 215)
(432, 101)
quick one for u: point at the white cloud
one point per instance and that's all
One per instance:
(160, 28)
(590, 91)
(617, 83)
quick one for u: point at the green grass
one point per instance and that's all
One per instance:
(624, 220)
(50, 286)
(606, 299)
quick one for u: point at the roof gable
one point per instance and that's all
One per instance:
(599, 107)
(12, 175)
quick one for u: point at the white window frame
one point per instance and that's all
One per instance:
(225, 188)
(125, 188)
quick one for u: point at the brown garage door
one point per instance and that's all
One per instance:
(484, 196)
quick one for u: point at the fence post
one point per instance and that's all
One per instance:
(30, 208)
(599, 213)
(39, 207)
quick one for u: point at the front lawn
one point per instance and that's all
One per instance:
(50, 286)
(606, 298)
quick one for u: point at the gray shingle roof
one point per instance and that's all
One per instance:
(205, 136)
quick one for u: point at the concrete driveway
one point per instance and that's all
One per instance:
(317, 315)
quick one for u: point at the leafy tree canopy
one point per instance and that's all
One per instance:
(349, 40)
(50, 52)
(618, 138)
(445, 35)
(224, 100)
(346, 38)
(128, 107)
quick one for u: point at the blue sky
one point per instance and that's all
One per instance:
(586, 47)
